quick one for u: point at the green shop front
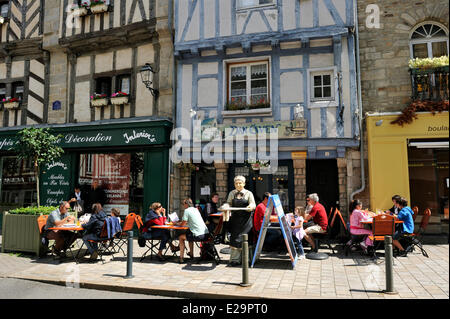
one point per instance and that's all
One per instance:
(128, 159)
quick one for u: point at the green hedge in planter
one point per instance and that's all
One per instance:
(42, 210)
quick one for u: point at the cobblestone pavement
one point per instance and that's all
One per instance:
(349, 277)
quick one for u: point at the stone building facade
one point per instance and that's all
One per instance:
(410, 159)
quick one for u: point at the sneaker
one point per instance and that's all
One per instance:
(301, 257)
(94, 255)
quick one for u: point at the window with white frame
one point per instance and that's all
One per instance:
(322, 85)
(248, 86)
(429, 40)
(241, 4)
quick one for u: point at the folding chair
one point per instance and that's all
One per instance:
(415, 240)
(207, 247)
(383, 225)
(121, 238)
(42, 221)
(103, 244)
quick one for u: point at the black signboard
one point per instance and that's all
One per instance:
(55, 181)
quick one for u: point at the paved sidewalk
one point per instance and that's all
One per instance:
(349, 277)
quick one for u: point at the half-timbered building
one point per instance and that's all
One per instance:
(251, 65)
(75, 67)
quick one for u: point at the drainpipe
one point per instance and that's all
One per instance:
(360, 114)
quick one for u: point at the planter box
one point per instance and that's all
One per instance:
(11, 105)
(21, 233)
(99, 102)
(119, 100)
(441, 69)
(99, 8)
(80, 11)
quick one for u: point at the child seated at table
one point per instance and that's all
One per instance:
(297, 230)
(356, 228)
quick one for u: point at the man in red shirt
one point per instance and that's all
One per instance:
(318, 215)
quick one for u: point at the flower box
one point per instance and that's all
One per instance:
(99, 102)
(80, 11)
(119, 100)
(11, 105)
(99, 8)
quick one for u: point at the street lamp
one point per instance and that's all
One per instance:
(147, 78)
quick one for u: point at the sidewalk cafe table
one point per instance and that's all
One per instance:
(75, 231)
(169, 226)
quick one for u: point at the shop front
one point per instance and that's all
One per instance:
(411, 161)
(126, 162)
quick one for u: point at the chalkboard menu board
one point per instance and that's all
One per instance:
(274, 203)
(55, 181)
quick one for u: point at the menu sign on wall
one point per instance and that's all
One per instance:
(55, 181)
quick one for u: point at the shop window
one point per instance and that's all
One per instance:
(119, 177)
(18, 183)
(429, 40)
(242, 4)
(248, 85)
(428, 176)
(204, 184)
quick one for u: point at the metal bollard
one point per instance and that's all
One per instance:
(244, 257)
(389, 265)
(130, 255)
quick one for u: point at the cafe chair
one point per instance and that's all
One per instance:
(42, 221)
(383, 225)
(415, 240)
(207, 247)
(103, 243)
(121, 238)
(415, 209)
(354, 243)
(152, 245)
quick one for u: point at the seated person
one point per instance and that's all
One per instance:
(298, 233)
(405, 214)
(93, 229)
(274, 237)
(157, 216)
(319, 217)
(197, 228)
(394, 209)
(356, 228)
(211, 208)
(63, 239)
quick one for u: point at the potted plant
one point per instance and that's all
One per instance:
(427, 65)
(256, 165)
(99, 100)
(11, 103)
(20, 231)
(98, 6)
(80, 10)
(119, 98)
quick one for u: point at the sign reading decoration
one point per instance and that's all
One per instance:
(123, 137)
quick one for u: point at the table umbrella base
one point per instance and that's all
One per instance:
(317, 256)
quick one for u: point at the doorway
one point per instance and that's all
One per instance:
(322, 178)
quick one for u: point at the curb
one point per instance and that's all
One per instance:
(177, 293)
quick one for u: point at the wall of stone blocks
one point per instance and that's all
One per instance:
(385, 53)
